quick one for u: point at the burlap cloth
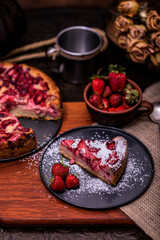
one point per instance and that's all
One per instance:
(145, 211)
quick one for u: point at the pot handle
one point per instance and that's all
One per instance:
(147, 111)
(27, 56)
(52, 52)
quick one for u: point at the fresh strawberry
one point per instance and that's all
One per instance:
(117, 78)
(57, 184)
(128, 86)
(98, 85)
(131, 96)
(96, 101)
(124, 103)
(107, 91)
(72, 181)
(59, 169)
(105, 103)
(121, 108)
(115, 99)
(112, 109)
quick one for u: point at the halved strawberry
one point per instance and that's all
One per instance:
(107, 91)
(105, 103)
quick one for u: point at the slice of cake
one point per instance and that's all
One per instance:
(24, 92)
(106, 160)
(15, 140)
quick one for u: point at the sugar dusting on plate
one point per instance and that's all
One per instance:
(134, 173)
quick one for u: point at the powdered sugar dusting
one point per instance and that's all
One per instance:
(91, 184)
(75, 144)
(135, 175)
(120, 148)
(103, 152)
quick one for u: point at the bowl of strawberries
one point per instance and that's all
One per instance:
(114, 99)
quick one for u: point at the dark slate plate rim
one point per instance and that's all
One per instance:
(99, 127)
(43, 142)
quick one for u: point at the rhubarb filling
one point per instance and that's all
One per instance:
(21, 92)
(100, 157)
(10, 128)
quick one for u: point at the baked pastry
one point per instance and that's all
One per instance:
(106, 160)
(28, 92)
(24, 92)
(15, 140)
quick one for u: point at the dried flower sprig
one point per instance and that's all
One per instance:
(139, 32)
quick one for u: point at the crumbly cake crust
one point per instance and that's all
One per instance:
(21, 146)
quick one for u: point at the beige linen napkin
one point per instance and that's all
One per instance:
(145, 211)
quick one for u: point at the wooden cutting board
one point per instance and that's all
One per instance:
(25, 201)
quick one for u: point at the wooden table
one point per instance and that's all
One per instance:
(25, 201)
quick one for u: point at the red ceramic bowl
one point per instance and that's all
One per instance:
(117, 118)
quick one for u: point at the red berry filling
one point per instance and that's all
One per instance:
(22, 88)
(20, 83)
(7, 122)
(95, 156)
(10, 128)
(111, 145)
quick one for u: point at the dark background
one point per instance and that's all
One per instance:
(44, 20)
(54, 20)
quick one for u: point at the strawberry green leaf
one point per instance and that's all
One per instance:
(116, 69)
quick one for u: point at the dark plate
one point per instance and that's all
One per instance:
(44, 130)
(92, 192)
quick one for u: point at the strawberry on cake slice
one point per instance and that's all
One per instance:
(104, 159)
(15, 140)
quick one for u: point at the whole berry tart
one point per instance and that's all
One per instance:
(26, 92)
(104, 159)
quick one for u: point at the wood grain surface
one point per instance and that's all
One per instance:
(25, 201)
